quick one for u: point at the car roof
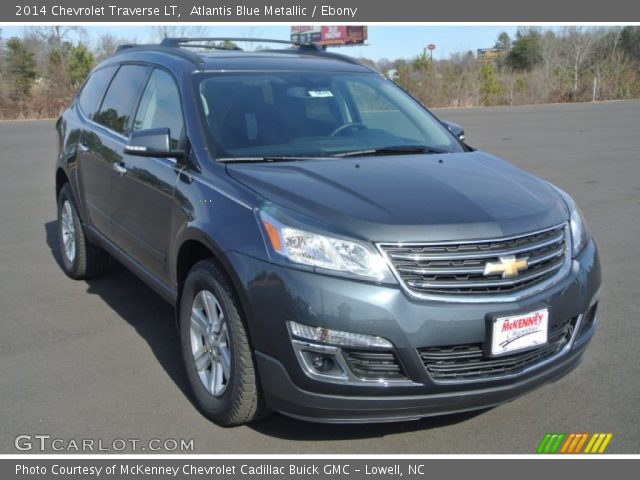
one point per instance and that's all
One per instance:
(297, 59)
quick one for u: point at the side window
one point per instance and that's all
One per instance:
(160, 106)
(117, 106)
(91, 94)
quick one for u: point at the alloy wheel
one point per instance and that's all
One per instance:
(68, 228)
(210, 343)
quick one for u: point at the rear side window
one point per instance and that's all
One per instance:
(160, 106)
(121, 97)
(92, 92)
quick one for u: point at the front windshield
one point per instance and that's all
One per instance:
(286, 114)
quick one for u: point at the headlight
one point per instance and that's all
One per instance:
(579, 233)
(324, 252)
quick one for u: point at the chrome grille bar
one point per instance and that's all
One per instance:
(496, 283)
(487, 254)
(457, 270)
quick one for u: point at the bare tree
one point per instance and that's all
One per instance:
(161, 32)
(579, 42)
(106, 45)
(550, 52)
(54, 35)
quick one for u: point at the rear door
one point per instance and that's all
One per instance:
(103, 143)
(94, 171)
(143, 190)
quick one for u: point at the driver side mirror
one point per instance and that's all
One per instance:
(154, 142)
(455, 129)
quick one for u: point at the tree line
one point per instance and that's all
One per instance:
(41, 70)
(571, 64)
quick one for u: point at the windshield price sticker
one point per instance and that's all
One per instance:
(320, 93)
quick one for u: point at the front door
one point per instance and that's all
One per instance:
(143, 187)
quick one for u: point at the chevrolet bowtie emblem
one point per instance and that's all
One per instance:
(508, 266)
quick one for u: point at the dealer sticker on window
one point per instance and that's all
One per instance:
(519, 332)
(320, 93)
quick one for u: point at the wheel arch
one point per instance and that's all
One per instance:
(194, 246)
(61, 179)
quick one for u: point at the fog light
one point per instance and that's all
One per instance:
(337, 337)
(319, 361)
(323, 363)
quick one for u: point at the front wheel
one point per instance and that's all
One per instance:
(216, 349)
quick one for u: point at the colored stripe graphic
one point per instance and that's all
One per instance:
(573, 443)
(598, 443)
(543, 443)
(567, 443)
(550, 443)
(581, 442)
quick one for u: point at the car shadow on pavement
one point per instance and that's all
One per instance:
(136, 303)
(283, 427)
(153, 319)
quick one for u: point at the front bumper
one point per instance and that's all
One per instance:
(273, 295)
(284, 396)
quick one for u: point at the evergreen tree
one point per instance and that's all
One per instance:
(19, 69)
(489, 85)
(80, 63)
(526, 50)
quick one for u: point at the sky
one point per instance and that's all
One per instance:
(390, 42)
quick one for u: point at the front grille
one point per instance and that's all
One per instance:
(468, 362)
(458, 268)
(371, 364)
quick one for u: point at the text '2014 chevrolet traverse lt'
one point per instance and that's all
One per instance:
(333, 251)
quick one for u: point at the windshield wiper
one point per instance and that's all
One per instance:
(391, 150)
(266, 158)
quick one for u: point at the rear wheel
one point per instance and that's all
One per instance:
(80, 259)
(216, 349)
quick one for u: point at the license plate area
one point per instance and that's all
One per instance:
(520, 332)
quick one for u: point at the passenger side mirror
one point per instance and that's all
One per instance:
(154, 142)
(456, 129)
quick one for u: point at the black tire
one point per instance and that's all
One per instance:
(242, 401)
(88, 261)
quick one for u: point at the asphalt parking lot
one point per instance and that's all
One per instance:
(100, 359)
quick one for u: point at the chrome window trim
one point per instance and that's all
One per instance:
(483, 298)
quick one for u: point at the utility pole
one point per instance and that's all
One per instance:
(595, 88)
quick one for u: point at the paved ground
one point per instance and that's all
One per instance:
(99, 359)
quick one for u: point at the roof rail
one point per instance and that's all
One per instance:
(173, 46)
(184, 54)
(187, 42)
(125, 46)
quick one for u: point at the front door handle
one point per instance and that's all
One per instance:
(83, 147)
(120, 168)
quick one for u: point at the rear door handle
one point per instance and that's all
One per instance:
(120, 168)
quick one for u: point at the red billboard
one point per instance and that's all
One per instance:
(329, 35)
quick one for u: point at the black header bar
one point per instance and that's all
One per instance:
(320, 11)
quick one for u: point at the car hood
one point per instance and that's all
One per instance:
(433, 197)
